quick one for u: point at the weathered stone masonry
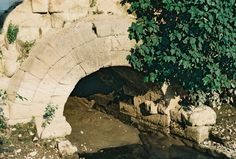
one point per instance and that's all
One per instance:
(73, 41)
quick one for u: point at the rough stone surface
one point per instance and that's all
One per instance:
(66, 148)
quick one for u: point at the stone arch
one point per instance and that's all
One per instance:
(58, 62)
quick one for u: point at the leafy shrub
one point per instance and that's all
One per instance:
(12, 32)
(191, 43)
(3, 96)
(49, 114)
(25, 48)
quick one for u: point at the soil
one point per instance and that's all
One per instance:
(20, 142)
(223, 134)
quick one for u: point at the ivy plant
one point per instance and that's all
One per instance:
(191, 43)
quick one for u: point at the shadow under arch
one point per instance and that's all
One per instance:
(93, 129)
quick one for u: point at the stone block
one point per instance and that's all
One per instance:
(57, 6)
(28, 87)
(138, 100)
(59, 101)
(170, 103)
(47, 54)
(38, 109)
(14, 83)
(121, 43)
(4, 82)
(65, 148)
(111, 27)
(101, 45)
(199, 116)
(102, 99)
(57, 128)
(57, 21)
(6, 110)
(63, 90)
(62, 67)
(150, 107)
(73, 76)
(176, 114)
(158, 119)
(35, 67)
(111, 6)
(197, 133)
(118, 58)
(128, 109)
(40, 6)
(88, 68)
(151, 95)
(45, 89)
(176, 129)
(19, 111)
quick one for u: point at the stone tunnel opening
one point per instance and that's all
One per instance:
(101, 111)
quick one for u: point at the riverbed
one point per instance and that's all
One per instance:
(100, 136)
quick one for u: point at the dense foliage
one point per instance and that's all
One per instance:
(189, 42)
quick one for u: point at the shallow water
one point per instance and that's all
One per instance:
(100, 136)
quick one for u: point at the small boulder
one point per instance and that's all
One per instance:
(203, 116)
(66, 148)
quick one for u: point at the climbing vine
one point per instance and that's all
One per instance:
(187, 42)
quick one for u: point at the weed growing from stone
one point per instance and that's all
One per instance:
(25, 48)
(49, 114)
(93, 3)
(12, 32)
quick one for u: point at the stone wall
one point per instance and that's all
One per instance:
(157, 112)
(39, 18)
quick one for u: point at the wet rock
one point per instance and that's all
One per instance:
(66, 148)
